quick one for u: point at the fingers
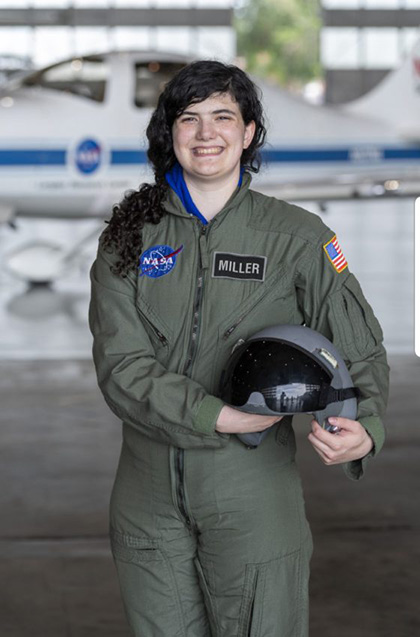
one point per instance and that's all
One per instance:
(322, 445)
(325, 458)
(350, 443)
(326, 439)
(344, 423)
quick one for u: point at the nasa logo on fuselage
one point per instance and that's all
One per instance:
(88, 156)
(158, 261)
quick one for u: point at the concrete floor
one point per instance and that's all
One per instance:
(59, 454)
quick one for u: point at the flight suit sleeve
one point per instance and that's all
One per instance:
(333, 303)
(162, 405)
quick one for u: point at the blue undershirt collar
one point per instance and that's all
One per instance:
(175, 178)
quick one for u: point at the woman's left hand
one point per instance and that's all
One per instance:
(350, 443)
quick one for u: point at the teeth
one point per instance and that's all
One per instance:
(207, 151)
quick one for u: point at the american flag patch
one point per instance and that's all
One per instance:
(335, 255)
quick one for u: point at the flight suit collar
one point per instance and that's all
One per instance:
(173, 204)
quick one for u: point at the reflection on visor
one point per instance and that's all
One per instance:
(293, 398)
(289, 379)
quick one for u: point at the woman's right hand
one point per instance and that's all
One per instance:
(233, 421)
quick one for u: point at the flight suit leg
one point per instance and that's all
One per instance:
(154, 552)
(242, 570)
(254, 543)
(160, 587)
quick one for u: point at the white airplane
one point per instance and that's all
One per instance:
(72, 140)
(367, 147)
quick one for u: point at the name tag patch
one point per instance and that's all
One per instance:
(227, 265)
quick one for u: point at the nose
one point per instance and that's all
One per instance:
(205, 129)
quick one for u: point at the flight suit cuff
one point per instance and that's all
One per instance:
(375, 429)
(374, 426)
(206, 417)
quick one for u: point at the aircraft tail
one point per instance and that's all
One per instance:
(396, 99)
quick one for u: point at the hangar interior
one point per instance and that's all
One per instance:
(60, 446)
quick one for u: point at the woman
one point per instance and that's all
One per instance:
(209, 537)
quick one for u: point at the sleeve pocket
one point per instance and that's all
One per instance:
(355, 327)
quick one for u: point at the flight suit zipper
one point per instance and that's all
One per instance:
(192, 350)
(195, 325)
(180, 491)
(162, 338)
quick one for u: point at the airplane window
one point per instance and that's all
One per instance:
(151, 78)
(85, 76)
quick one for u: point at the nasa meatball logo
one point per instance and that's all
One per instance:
(88, 156)
(158, 261)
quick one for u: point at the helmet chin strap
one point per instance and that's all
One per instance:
(329, 394)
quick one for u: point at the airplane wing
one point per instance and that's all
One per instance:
(335, 189)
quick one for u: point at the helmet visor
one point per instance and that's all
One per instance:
(290, 379)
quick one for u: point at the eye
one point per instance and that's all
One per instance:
(188, 118)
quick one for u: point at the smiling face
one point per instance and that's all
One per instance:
(209, 137)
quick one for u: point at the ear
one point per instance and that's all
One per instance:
(249, 133)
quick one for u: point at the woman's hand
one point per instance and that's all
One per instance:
(352, 441)
(233, 421)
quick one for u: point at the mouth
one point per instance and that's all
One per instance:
(202, 151)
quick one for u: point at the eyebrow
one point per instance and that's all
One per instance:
(217, 112)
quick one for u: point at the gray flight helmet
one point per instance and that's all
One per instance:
(257, 370)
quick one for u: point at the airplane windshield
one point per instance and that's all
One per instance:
(151, 78)
(85, 77)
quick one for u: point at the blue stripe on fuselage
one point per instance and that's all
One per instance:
(128, 157)
(355, 154)
(124, 157)
(33, 157)
(301, 155)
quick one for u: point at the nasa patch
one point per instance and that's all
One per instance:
(158, 261)
(88, 156)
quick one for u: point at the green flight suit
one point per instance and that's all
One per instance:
(210, 538)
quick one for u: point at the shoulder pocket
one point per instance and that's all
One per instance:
(355, 327)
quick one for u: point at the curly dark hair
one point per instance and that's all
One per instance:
(194, 83)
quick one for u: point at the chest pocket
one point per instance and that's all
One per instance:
(271, 304)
